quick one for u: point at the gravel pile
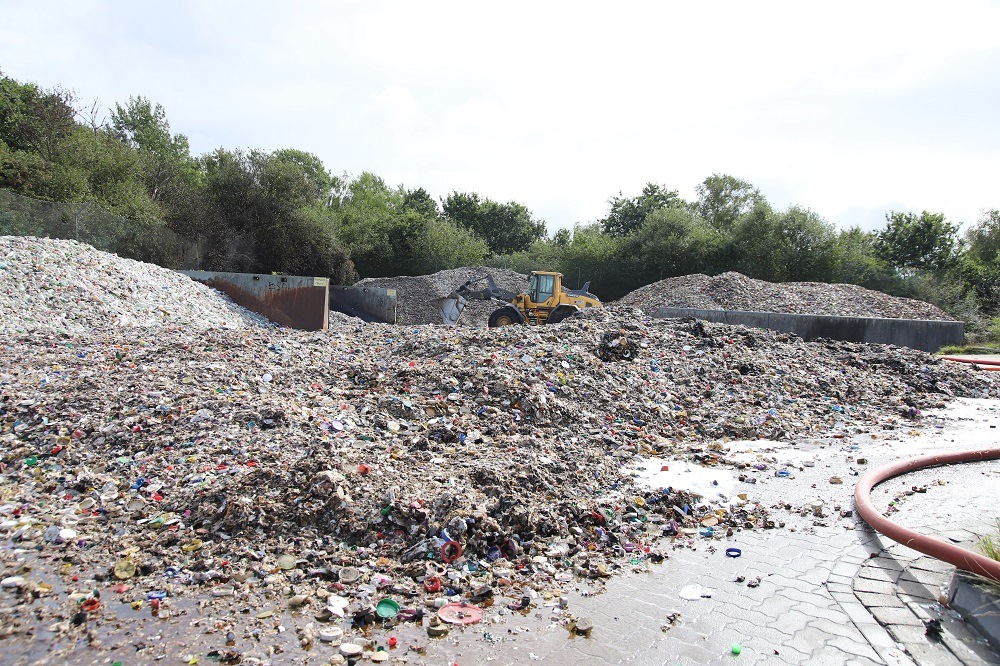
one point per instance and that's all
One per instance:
(69, 287)
(414, 293)
(734, 291)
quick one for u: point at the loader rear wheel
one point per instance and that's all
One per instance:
(506, 316)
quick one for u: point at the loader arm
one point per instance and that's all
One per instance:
(452, 305)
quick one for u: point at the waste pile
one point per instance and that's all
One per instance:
(415, 293)
(69, 287)
(372, 474)
(735, 291)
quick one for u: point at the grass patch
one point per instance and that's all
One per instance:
(989, 544)
(984, 348)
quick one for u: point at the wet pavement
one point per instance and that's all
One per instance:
(830, 591)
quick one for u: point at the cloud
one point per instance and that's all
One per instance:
(395, 103)
(837, 107)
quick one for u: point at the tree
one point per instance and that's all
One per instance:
(446, 245)
(311, 167)
(675, 241)
(165, 157)
(35, 127)
(751, 244)
(561, 238)
(365, 213)
(805, 243)
(505, 227)
(980, 266)
(419, 201)
(983, 238)
(268, 218)
(601, 259)
(722, 199)
(856, 261)
(918, 241)
(33, 119)
(628, 213)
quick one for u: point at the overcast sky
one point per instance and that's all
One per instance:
(848, 108)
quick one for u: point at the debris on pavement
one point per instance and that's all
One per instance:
(194, 461)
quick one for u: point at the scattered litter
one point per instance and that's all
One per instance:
(158, 439)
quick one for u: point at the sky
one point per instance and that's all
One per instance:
(851, 109)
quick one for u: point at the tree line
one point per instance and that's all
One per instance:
(283, 211)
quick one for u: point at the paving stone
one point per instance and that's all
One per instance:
(841, 580)
(932, 564)
(844, 569)
(874, 600)
(891, 616)
(876, 586)
(809, 640)
(862, 661)
(797, 595)
(831, 613)
(785, 583)
(732, 615)
(931, 579)
(815, 578)
(857, 648)
(847, 630)
(784, 654)
(877, 637)
(887, 563)
(877, 573)
(792, 621)
(857, 613)
(916, 591)
(842, 588)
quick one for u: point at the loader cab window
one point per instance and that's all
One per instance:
(541, 287)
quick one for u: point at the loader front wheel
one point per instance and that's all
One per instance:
(505, 316)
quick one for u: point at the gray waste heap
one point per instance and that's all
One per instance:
(734, 291)
(415, 293)
(322, 471)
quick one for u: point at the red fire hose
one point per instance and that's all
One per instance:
(960, 557)
(983, 364)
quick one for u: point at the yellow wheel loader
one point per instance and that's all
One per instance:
(546, 301)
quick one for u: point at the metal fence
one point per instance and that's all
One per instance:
(91, 224)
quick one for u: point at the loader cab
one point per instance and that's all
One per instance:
(543, 286)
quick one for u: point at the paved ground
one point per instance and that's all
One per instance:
(831, 591)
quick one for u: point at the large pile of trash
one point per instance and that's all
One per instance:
(416, 293)
(69, 287)
(735, 291)
(325, 473)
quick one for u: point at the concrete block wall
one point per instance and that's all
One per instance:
(922, 334)
(292, 301)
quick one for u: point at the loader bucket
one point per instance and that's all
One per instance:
(451, 308)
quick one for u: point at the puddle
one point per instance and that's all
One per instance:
(714, 484)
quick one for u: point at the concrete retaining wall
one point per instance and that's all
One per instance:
(915, 333)
(292, 301)
(367, 303)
